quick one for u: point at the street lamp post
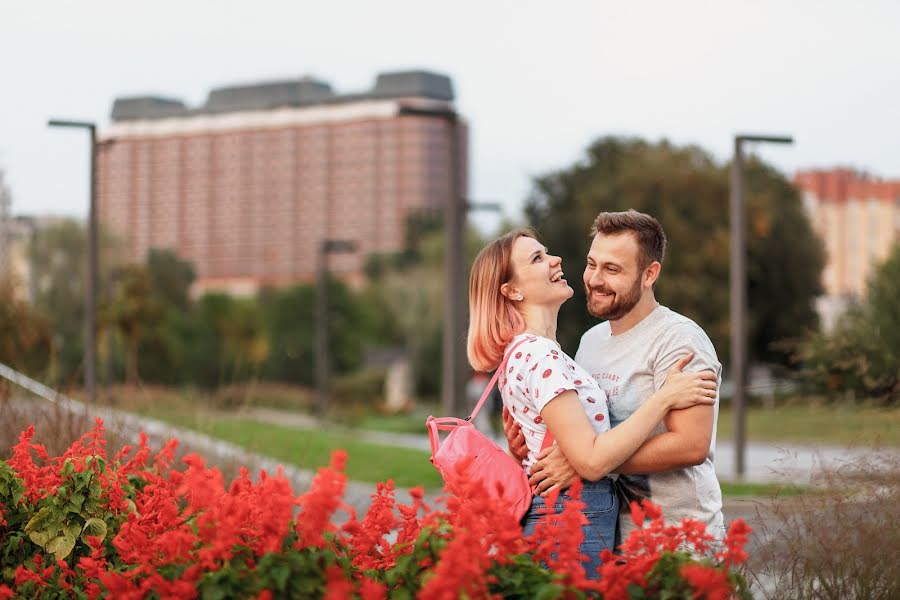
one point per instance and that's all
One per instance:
(90, 358)
(738, 298)
(452, 349)
(322, 357)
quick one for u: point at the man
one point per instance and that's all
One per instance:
(629, 355)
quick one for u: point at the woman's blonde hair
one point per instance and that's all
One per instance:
(494, 319)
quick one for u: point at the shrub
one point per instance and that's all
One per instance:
(82, 525)
(840, 543)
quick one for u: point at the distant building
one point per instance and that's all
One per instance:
(5, 204)
(16, 233)
(858, 218)
(249, 185)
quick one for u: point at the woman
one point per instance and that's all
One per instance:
(515, 292)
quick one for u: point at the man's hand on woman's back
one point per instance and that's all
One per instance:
(514, 437)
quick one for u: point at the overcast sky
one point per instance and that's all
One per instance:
(537, 80)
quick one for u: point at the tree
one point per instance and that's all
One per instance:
(862, 354)
(290, 324)
(171, 277)
(134, 313)
(25, 341)
(58, 255)
(687, 191)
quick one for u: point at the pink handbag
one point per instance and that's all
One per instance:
(501, 474)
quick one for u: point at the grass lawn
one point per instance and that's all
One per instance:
(761, 490)
(404, 423)
(311, 449)
(839, 426)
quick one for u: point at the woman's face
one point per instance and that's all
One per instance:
(537, 275)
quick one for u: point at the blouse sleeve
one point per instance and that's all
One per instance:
(547, 378)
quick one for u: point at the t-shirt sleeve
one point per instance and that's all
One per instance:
(679, 340)
(547, 378)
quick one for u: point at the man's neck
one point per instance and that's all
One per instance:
(644, 307)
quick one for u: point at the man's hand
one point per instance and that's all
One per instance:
(551, 472)
(514, 437)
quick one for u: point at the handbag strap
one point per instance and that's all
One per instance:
(490, 386)
(548, 437)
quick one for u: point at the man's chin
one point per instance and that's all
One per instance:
(598, 312)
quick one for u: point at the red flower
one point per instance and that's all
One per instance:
(708, 582)
(735, 540)
(336, 585)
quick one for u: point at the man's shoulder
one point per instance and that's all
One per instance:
(591, 339)
(597, 332)
(674, 323)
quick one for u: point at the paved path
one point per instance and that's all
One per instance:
(764, 462)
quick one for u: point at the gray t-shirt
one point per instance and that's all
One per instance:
(630, 367)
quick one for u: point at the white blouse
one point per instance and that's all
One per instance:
(536, 373)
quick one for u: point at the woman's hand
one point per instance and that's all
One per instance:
(684, 390)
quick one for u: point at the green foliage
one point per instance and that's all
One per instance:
(523, 578)
(862, 355)
(59, 523)
(289, 321)
(171, 276)
(687, 192)
(25, 338)
(58, 255)
(133, 312)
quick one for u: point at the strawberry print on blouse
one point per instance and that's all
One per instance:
(537, 372)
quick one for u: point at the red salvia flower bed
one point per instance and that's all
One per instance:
(138, 526)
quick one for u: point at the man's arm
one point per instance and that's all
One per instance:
(688, 434)
(685, 444)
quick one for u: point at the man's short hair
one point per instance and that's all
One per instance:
(650, 236)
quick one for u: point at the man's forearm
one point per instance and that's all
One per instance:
(663, 452)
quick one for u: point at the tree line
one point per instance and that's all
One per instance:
(152, 330)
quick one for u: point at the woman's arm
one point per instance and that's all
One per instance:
(593, 456)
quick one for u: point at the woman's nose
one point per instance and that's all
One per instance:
(555, 260)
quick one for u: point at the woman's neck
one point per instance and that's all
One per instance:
(541, 321)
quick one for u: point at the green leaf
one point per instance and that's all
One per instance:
(280, 575)
(61, 546)
(72, 528)
(94, 527)
(40, 527)
(548, 591)
(76, 502)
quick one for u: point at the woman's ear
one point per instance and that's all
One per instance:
(508, 291)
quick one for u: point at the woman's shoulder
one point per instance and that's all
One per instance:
(533, 347)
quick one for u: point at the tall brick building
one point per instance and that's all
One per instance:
(247, 186)
(858, 218)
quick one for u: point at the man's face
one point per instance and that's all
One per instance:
(612, 277)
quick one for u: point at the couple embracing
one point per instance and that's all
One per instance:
(637, 403)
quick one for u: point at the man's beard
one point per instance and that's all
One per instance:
(620, 306)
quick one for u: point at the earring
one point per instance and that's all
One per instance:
(520, 297)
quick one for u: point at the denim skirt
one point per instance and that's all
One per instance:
(602, 512)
